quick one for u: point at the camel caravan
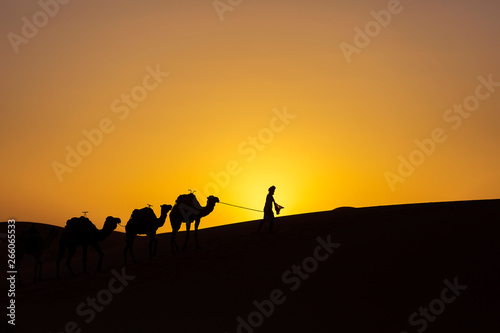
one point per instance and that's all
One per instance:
(81, 232)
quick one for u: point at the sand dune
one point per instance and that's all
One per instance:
(346, 270)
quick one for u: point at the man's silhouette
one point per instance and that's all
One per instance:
(268, 209)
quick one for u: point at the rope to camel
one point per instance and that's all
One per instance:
(255, 210)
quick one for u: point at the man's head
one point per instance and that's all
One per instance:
(272, 189)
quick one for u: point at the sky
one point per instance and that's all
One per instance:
(108, 106)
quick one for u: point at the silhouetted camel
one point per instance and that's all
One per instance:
(31, 242)
(79, 231)
(144, 221)
(187, 209)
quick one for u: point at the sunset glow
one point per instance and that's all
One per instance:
(110, 106)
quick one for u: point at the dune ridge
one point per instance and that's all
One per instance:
(388, 262)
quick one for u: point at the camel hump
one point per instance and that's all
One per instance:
(188, 199)
(143, 213)
(81, 224)
(185, 199)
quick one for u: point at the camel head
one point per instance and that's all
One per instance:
(111, 223)
(165, 209)
(212, 200)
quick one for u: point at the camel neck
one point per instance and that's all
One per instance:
(104, 233)
(162, 218)
(207, 209)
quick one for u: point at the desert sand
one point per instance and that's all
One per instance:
(432, 267)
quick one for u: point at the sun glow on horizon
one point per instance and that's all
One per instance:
(136, 104)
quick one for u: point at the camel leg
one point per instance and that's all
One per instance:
(60, 255)
(125, 253)
(101, 255)
(84, 259)
(38, 268)
(35, 269)
(172, 238)
(71, 252)
(129, 246)
(132, 249)
(188, 227)
(152, 247)
(196, 225)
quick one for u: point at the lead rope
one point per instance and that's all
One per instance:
(255, 210)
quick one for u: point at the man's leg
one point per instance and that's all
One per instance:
(261, 224)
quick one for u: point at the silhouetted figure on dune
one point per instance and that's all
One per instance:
(80, 231)
(268, 209)
(144, 221)
(31, 242)
(187, 209)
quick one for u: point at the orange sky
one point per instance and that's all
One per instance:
(172, 96)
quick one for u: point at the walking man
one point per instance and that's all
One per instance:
(268, 209)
